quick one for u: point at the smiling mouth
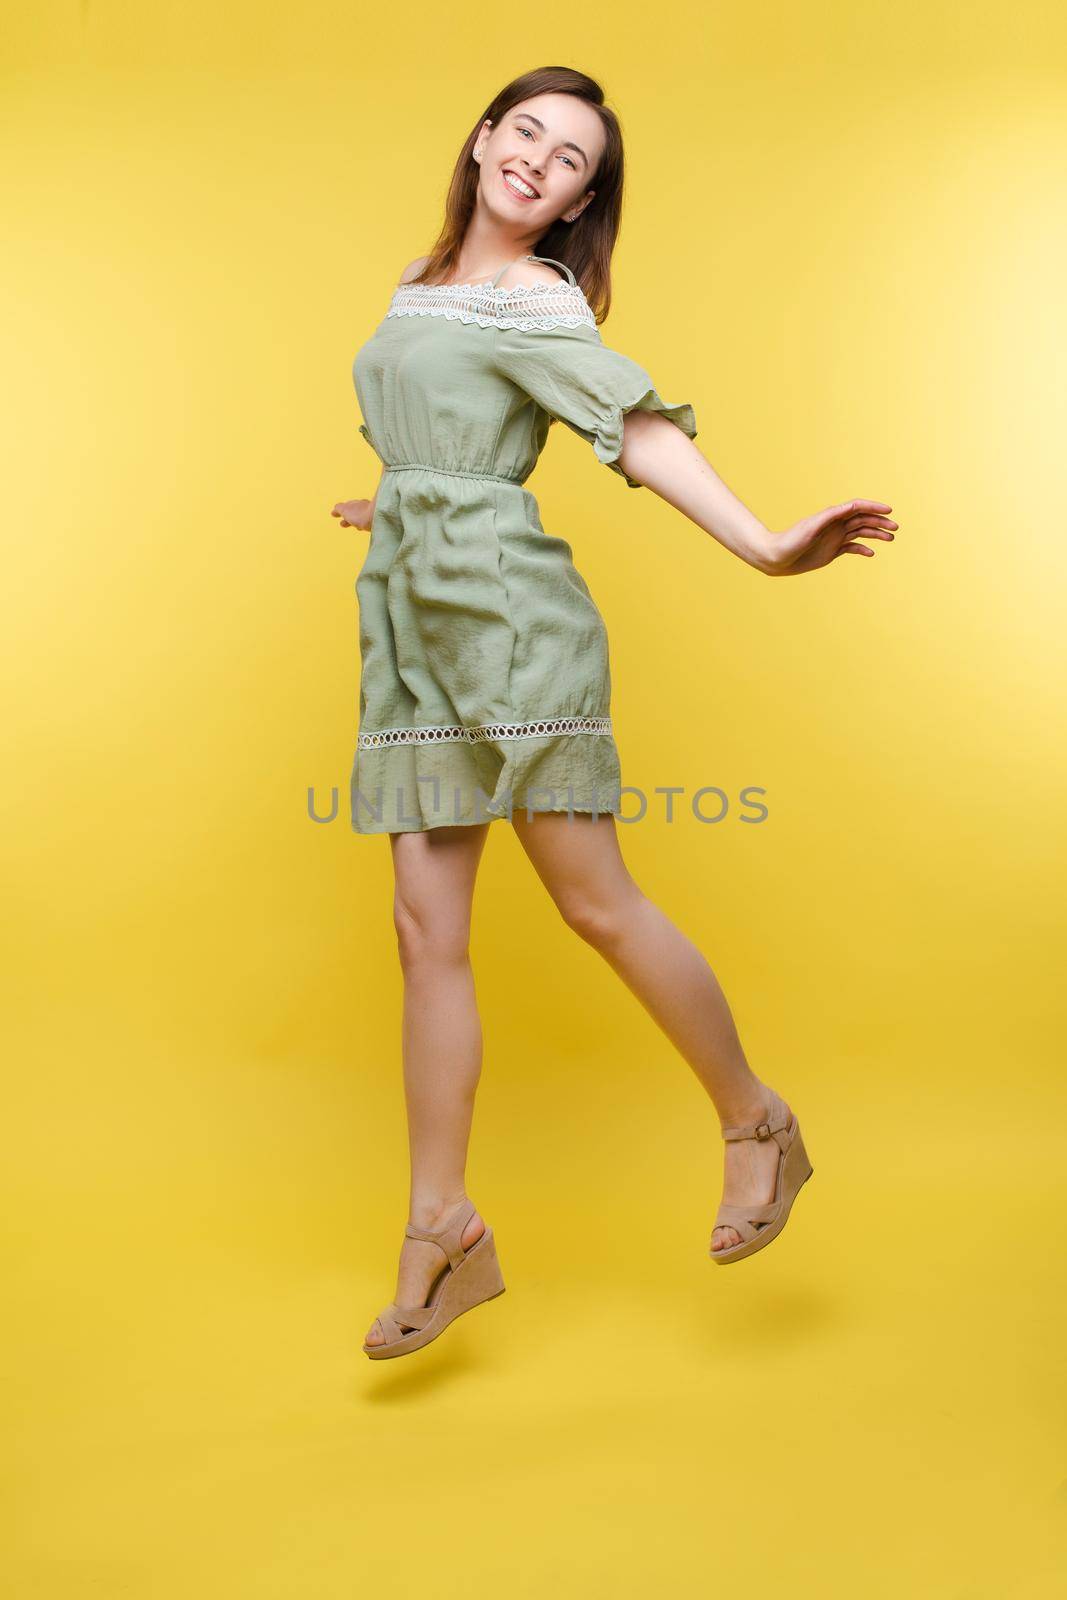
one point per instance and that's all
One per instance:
(518, 186)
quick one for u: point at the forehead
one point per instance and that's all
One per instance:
(566, 117)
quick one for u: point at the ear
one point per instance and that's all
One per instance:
(573, 216)
(479, 139)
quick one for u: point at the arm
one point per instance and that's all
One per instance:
(358, 513)
(663, 459)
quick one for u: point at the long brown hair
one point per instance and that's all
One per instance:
(585, 244)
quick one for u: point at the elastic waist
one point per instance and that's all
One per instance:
(424, 466)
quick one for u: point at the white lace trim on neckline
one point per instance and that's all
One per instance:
(483, 731)
(526, 305)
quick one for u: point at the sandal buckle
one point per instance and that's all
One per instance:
(763, 1131)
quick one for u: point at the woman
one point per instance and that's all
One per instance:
(485, 682)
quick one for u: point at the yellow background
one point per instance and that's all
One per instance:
(844, 243)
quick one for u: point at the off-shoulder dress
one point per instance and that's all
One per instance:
(485, 683)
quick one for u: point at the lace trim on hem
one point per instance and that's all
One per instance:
(526, 305)
(483, 731)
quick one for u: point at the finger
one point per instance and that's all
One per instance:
(853, 507)
(869, 529)
(854, 550)
(823, 519)
(864, 519)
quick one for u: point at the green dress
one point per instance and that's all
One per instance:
(485, 685)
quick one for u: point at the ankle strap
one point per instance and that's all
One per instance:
(449, 1238)
(774, 1123)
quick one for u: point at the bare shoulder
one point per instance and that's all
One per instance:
(526, 274)
(413, 269)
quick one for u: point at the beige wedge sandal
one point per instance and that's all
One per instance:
(756, 1224)
(467, 1278)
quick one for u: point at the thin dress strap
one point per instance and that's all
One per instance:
(570, 275)
(504, 268)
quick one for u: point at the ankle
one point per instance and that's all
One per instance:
(432, 1210)
(751, 1104)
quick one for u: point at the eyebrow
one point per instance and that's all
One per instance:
(566, 144)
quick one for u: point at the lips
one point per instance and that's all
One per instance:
(504, 174)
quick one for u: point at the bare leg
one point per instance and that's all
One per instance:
(579, 861)
(435, 873)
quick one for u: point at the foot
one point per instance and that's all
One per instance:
(422, 1263)
(750, 1170)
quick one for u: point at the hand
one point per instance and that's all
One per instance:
(354, 513)
(817, 540)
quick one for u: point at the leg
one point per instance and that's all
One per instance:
(441, 1040)
(579, 861)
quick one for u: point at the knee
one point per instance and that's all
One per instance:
(424, 935)
(600, 923)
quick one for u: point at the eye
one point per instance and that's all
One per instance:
(522, 129)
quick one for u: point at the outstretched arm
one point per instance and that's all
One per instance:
(660, 456)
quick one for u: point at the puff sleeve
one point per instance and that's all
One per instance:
(573, 375)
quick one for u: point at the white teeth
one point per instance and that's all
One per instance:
(518, 185)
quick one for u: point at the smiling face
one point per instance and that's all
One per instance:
(538, 163)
